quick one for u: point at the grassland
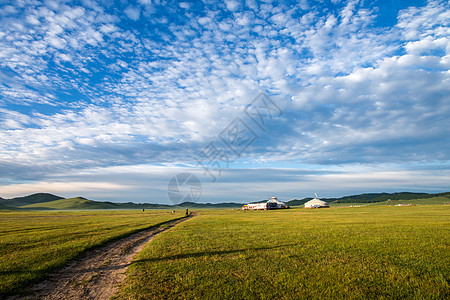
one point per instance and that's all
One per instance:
(5, 208)
(366, 252)
(424, 201)
(33, 243)
(440, 200)
(70, 203)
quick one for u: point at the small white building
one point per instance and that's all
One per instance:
(255, 206)
(316, 203)
(273, 203)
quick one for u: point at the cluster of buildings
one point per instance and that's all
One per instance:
(274, 203)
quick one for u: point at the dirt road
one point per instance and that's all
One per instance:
(97, 273)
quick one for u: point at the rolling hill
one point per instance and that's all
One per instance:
(50, 201)
(45, 201)
(421, 201)
(209, 205)
(297, 202)
(381, 197)
(30, 199)
(71, 203)
(374, 198)
(83, 203)
(5, 207)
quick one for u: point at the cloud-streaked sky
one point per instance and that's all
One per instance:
(110, 99)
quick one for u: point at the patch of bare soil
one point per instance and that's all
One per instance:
(97, 273)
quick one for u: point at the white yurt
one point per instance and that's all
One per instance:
(274, 203)
(316, 203)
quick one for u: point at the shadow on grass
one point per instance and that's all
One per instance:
(209, 253)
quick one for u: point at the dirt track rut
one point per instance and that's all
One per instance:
(97, 273)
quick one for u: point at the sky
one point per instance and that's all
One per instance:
(112, 100)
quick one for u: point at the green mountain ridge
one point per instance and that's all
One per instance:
(46, 201)
(30, 199)
(83, 203)
(381, 197)
(5, 207)
(209, 205)
(374, 198)
(297, 202)
(52, 202)
(70, 203)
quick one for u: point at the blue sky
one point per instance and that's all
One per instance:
(110, 99)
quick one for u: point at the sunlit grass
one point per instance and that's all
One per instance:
(33, 243)
(366, 252)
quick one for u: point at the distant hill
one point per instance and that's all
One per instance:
(30, 199)
(83, 203)
(376, 198)
(297, 202)
(5, 207)
(381, 197)
(422, 201)
(45, 201)
(209, 205)
(71, 203)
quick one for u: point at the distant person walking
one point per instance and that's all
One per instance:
(187, 212)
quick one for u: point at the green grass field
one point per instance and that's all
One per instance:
(367, 252)
(421, 201)
(376, 251)
(33, 243)
(425, 201)
(66, 204)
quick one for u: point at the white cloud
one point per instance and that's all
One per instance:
(184, 5)
(427, 45)
(133, 12)
(57, 42)
(358, 93)
(232, 5)
(66, 189)
(32, 20)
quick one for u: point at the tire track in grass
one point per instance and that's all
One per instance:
(97, 273)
